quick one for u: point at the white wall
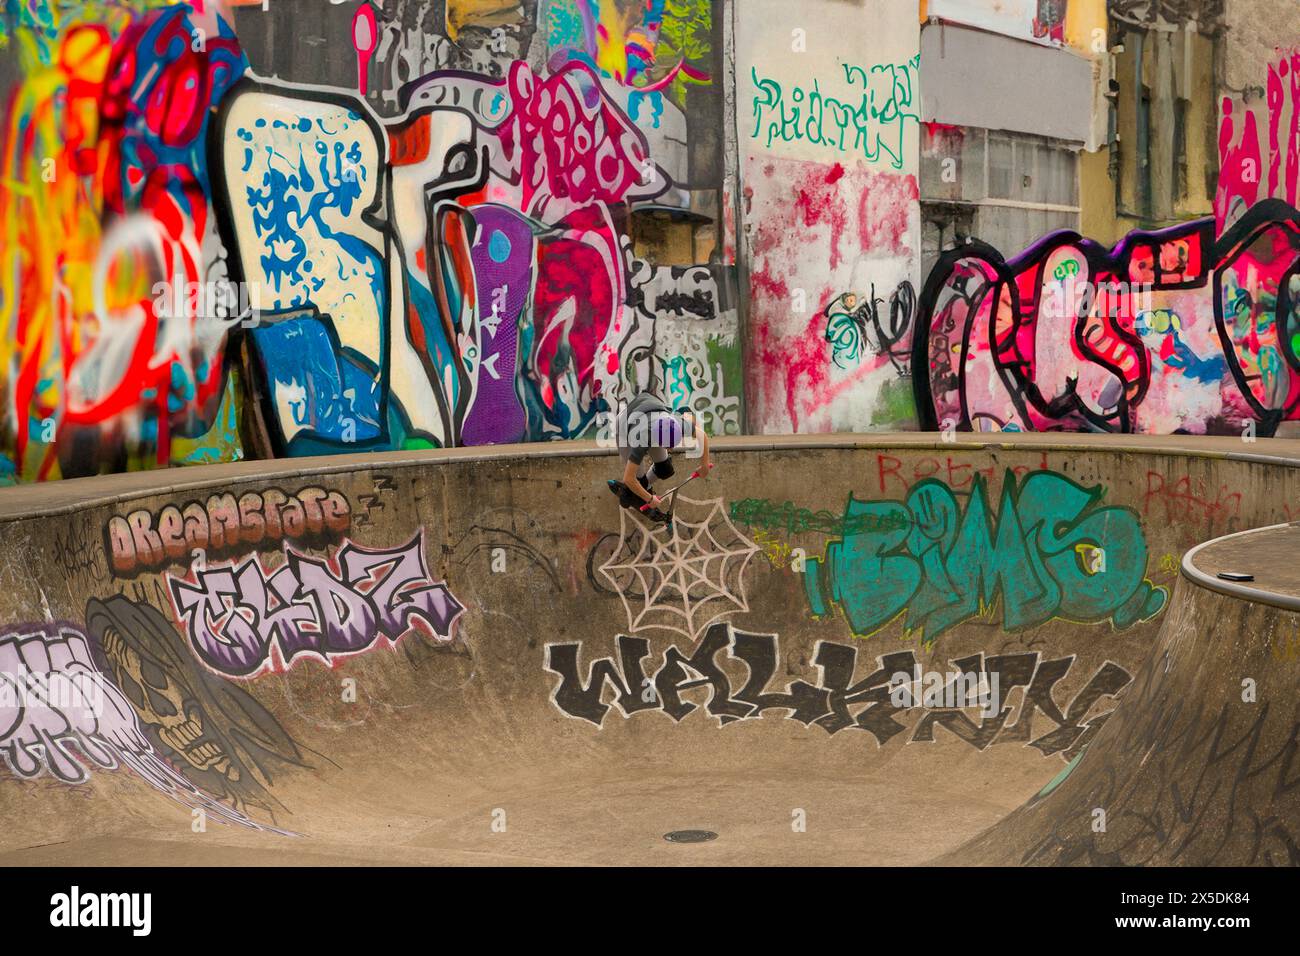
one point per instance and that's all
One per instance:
(827, 105)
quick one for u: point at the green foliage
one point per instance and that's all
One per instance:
(686, 35)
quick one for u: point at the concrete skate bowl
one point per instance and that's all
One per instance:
(473, 657)
(1197, 764)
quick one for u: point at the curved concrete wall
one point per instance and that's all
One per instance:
(478, 657)
(1197, 766)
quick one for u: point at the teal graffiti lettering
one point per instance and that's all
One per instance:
(1050, 551)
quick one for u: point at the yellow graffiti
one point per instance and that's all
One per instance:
(777, 551)
(486, 14)
(50, 222)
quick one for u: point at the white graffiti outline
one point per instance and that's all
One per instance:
(99, 731)
(673, 570)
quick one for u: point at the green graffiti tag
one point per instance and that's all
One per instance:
(1051, 551)
(762, 513)
(677, 381)
(875, 126)
(1070, 267)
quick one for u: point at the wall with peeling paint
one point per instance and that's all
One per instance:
(827, 123)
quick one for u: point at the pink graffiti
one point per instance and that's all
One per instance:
(581, 278)
(1242, 164)
(560, 153)
(569, 141)
(808, 216)
(365, 37)
(1239, 165)
(1283, 89)
(1168, 331)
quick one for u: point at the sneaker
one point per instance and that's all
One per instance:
(625, 497)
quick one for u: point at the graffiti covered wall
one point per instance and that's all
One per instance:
(242, 230)
(264, 653)
(111, 354)
(1171, 331)
(1184, 326)
(827, 120)
(488, 223)
(230, 648)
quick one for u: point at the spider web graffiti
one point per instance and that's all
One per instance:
(683, 581)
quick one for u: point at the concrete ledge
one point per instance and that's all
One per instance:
(73, 494)
(1262, 548)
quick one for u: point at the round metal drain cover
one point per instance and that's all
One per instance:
(690, 836)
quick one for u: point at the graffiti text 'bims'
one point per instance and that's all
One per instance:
(1050, 550)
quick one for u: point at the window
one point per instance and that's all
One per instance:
(1007, 189)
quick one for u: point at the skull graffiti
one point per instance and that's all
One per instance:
(161, 705)
(215, 733)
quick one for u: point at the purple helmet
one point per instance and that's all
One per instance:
(666, 430)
